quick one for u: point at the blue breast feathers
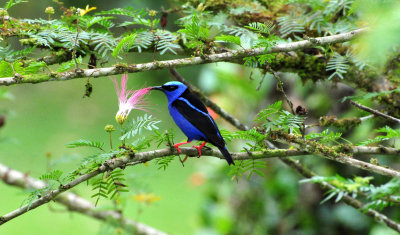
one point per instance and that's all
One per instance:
(187, 128)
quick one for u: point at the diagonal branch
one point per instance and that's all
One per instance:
(375, 112)
(205, 59)
(75, 203)
(378, 217)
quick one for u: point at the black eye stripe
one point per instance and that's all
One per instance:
(170, 88)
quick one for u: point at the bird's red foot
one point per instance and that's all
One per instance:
(200, 147)
(179, 144)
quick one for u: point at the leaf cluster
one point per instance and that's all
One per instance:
(274, 118)
(109, 185)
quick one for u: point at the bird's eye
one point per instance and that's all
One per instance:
(170, 88)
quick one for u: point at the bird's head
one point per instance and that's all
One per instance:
(171, 89)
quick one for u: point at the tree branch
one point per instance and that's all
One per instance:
(75, 203)
(138, 158)
(212, 58)
(378, 217)
(375, 112)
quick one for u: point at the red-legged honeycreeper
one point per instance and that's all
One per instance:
(192, 117)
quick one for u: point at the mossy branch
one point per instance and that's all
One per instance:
(175, 63)
(138, 158)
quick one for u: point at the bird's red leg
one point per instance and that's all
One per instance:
(179, 144)
(200, 147)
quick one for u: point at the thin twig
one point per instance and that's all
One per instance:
(280, 88)
(373, 111)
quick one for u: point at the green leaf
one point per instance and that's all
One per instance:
(229, 38)
(35, 67)
(261, 28)
(136, 127)
(338, 64)
(164, 162)
(85, 143)
(124, 45)
(269, 111)
(12, 3)
(53, 175)
(390, 134)
(69, 65)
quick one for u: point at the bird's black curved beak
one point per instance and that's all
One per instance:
(157, 88)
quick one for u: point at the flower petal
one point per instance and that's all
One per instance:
(117, 90)
(137, 97)
(124, 80)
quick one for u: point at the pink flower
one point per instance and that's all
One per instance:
(128, 99)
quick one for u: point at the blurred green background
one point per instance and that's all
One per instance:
(199, 198)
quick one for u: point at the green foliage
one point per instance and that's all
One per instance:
(89, 21)
(99, 185)
(7, 54)
(342, 186)
(339, 6)
(325, 137)
(69, 65)
(164, 162)
(338, 64)
(124, 44)
(12, 3)
(52, 175)
(252, 135)
(383, 196)
(142, 122)
(91, 163)
(273, 118)
(271, 110)
(196, 32)
(137, 17)
(372, 95)
(35, 67)
(85, 143)
(33, 195)
(166, 41)
(164, 137)
(290, 25)
(378, 197)
(229, 38)
(53, 181)
(261, 28)
(103, 43)
(109, 186)
(115, 183)
(390, 134)
(249, 167)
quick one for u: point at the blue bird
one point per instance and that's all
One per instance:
(192, 117)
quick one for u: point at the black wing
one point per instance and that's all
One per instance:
(189, 105)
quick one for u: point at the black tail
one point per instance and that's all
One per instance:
(227, 155)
